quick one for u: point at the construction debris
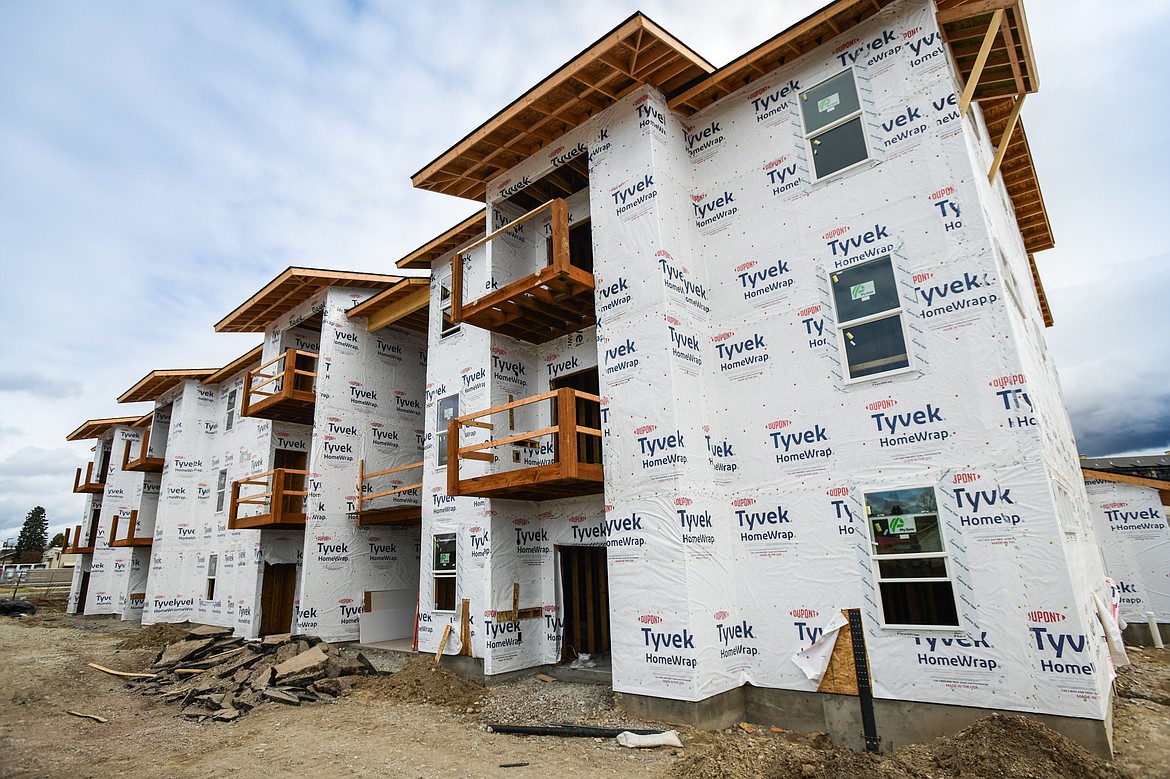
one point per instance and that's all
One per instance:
(128, 674)
(216, 676)
(93, 717)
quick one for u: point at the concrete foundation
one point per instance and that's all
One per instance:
(1138, 634)
(899, 723)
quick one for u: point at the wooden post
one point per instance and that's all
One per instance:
(1001, 152)
(456, 290)
(453, 458)
(289, 381)
(113, 531)
(980, 61)
(133, 524)
(515, 602)
(361, 487)
(465, 628)
(246, 400)
(65, 548)
(567, 432)
(234, 511)
(560, 234)
(276, 501)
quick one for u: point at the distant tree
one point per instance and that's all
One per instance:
(58, 540)
(34, 535)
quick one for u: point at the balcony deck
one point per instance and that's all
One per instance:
(571, 474)
(131, 540)
(284, 389)
(143, 463)
(70, 546)
(554, 301)
(89, 485)
(283, 498)
(406, 516)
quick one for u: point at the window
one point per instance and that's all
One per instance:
(448, 325)
(212, 565)
(220, 491)
(909, 559)
(444, 572)
(447, 409)
(869, 319)
(231, 411)
(834, 134)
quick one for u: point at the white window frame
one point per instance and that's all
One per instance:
(453, 574)
(809, 137)
(221, 491)
(232, 398)
(943, 555)
(900, 312)
(212, 574)
(447, 307)
(441, 429)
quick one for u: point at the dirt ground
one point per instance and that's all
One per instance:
(423, 723)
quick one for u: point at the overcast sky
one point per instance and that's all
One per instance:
(161, 161)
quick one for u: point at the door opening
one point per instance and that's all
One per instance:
(277, 597)
(295, 461)
(585, 590)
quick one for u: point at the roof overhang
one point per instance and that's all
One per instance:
(155, 384)
(143, 420)
(634, 53)
(1163, 487)
(471, 228)
(290, 289)
(404, 304)
(96, 428)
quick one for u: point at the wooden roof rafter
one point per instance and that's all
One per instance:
(405, 305)
(96, 428)
(291, 288)
(155, 384)
(635, 52)
(470, 229)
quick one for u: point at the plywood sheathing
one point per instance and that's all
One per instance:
(96, 428)
(250, 359)
(634, 53)
(470, 229)
(290, 289)
(155, 384)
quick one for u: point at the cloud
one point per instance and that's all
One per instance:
(39, 385)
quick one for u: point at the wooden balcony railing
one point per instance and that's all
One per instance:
(143, 463)
(282, 389)
(576, 452)
(555, 300)
(369, 513)
(282, 498)
(75, 547)
(89, 485)
(130, 540)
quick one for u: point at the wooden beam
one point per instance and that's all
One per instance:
(980, 60)
(402, 308)
(1122, 478)
(1006, 138)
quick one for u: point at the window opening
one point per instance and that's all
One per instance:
(444, 572)
(909, 558)
(834, 133)
(220, 491)
(870, 329)
(231, 411)
(446, 410)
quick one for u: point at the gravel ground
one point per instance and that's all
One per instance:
(529, 701)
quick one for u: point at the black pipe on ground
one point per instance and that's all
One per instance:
(580, 731)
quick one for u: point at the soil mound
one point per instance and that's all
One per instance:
(421, 681)
(1012, 746)
(1006, 747)
(155, 636)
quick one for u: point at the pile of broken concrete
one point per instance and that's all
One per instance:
(215, 675)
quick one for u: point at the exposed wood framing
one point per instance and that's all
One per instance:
(1005, 139)
(249, 359)
(993, 31)
(157, 383)
(404, 304)
(96, 428)
(290, 289)
(1163, 487)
